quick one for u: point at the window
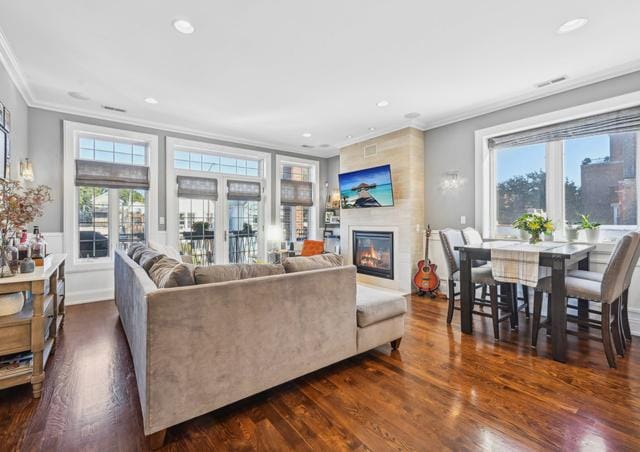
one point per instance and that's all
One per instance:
(520, 184)
(582, 166)
(196, 228)
(93, 222)
(110, 174)
(196, 161)
(600, 174)
(295, 219)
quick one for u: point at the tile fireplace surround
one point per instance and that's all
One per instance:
(404, 151)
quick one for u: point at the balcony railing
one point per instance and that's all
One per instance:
(243, 247)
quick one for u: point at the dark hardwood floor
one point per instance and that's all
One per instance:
(441, 390)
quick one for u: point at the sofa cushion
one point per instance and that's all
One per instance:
(233, 272)
(306, 263)
(373, 305)
(148, 258)
(132, 248)
(137, 253)
(168, 272)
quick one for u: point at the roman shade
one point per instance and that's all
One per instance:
(239, 190)
(626, 120)
(296, 193)
(91, 173)
(197, 187)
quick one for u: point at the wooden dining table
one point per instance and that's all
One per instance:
(558, 258)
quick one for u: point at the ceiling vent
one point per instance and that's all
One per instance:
(370, 151)
(110, 108)
(307, 146)
(552, 81)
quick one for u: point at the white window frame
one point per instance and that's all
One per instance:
(71, 134)
(314, 172)
(485, 173)
(172, 144)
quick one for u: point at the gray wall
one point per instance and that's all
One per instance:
(453, 146)
(46, 149)
(12, 99)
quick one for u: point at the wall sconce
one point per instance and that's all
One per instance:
(274, 235)
(451, 181)
(26, 169)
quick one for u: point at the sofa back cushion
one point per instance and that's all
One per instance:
(148, 258)
(137, 253)
(234, 272)
(167, 272)
(167, 250)
(307, 263)
(132, 248)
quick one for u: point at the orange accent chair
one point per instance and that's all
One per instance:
(312, 247)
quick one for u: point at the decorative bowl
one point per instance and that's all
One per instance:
(11, 303)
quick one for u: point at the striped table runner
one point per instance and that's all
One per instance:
(519, 263)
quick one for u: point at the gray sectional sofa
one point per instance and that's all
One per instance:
(201, 347)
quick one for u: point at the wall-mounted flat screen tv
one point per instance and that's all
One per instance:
(369, 187)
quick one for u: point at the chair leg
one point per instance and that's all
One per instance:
(537, 310)
(616, 328)
(514, 305)
(495, 313)
(549, 320)
(525, 296)
(395, 344)
(606, 335)
(625, 315)
(452, 291)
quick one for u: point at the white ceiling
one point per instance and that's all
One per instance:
(265, 72)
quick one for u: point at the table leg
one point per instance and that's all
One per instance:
(467, 293)
(583, 305)
(558, 311)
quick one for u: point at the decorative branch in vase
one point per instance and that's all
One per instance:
(19, 207)
(535, 224)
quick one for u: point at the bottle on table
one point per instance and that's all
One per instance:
(23, 246)
(38, 247)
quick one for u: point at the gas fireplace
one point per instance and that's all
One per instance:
(373, 253)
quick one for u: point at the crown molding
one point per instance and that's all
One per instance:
(10, 63)
(537, 93)
(227, 140)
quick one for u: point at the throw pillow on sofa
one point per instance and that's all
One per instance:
(132, 248)
(307, 263)
(148, 258)
(234, 272)
(169, 272)
(137, 253)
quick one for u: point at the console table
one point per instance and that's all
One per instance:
(36, 327)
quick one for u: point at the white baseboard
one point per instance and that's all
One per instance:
(88, 296)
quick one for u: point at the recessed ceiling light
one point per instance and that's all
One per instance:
(349, 136)
(183, 26)
(372, 129)
(151, 100)
(572, 25)
(78, 95)
(383, 103)
(306, 135)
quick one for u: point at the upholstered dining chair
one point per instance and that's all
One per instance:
(607, 292)
(623, 312)
(450, 238)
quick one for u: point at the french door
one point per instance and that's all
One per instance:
(224, 230)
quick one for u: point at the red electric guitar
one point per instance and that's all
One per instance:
(426, 280)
